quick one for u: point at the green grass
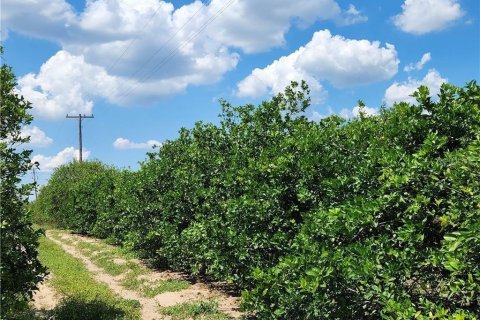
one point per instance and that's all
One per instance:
(205, 310)
(86, 298)
(102, 254)
(131, 280)
(160, 286)
(150, 289)
(88, 248)
(105, 260)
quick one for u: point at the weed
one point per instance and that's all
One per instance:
(205, 310)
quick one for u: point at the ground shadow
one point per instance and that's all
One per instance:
(74, 308)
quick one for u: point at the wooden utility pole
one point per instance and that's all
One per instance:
(35, 165)
(80, 117)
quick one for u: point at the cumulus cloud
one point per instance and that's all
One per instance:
(143, 50)
(317, 116)
(399, 92)
(343, 62)
(418, 65)
(38, 138)
(424, 16)
(55, 92)
(48, 163)
(356, 111)
(47, 19)
(260, 25)
(352, 16)
(125, 144)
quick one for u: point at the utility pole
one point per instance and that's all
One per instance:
(35, 165)
(80, 117)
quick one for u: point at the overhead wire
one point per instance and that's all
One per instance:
(111, 67)
(173, 52)
(166, 42)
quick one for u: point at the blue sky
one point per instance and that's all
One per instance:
(146, 68)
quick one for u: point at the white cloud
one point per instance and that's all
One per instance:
(260, 25)
(317, 116)
(418, 65)
(352, 16)
(141, 51)
(399, 92)
(55, 92)
(38, 138)
(343, 62)
(424, 16)
(45, 19)
(275, 77)
(125, 144)
(128, 51)
(66, 155)
(355, 112)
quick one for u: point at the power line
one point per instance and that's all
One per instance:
(110, 68)
(174, 51)
(166, 42)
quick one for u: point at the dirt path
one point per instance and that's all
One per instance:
(45, 298)
(149, 306)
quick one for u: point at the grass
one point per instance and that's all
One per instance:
(88, 248)
(103, 255)
(85, 298)
(150, 289)
(131, 280)
(160, 286)
(73, 308)
(106, 261)
(205, 310)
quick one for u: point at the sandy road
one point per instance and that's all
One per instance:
(228, 305)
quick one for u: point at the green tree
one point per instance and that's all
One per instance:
(20, 270)
(77, 194)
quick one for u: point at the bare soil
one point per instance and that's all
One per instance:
(45, 298)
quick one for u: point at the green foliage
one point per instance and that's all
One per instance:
(20, 271)
(77, 195)
(405, 243)
(376, 217)
(221, 200)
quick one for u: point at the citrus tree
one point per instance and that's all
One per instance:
(20, 270)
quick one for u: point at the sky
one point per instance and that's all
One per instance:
(146, 68)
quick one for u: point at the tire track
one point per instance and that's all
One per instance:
(149, 306)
